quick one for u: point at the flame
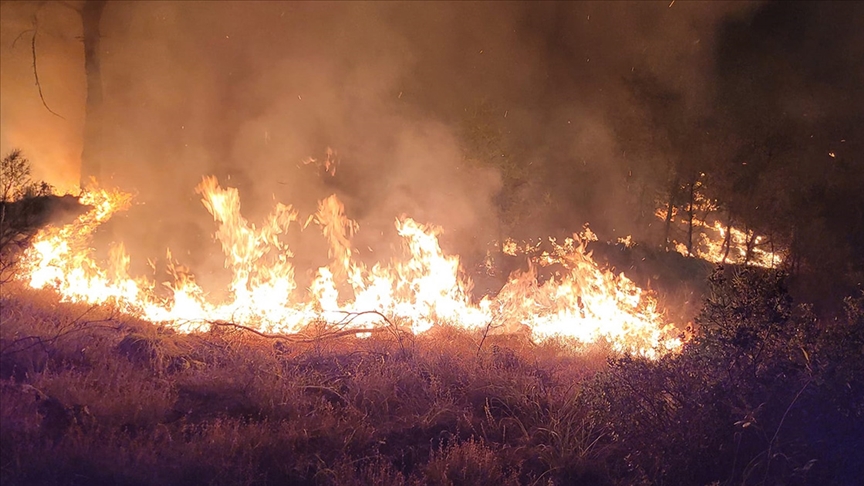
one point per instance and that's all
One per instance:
(418, 291)
(710, 244)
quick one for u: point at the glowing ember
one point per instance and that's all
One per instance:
(426, 287)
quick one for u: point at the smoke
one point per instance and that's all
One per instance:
(52, 144)
(250, 91)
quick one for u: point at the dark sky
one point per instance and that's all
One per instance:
(252, 89)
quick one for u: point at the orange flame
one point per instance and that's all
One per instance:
(426, 287)
(710, 244)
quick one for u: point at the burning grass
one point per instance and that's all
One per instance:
(91, 395)
(562, 380)
(117, 400)
(422, 288)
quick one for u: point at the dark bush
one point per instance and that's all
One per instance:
(762, 394)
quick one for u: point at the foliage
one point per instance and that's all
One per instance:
(25, 207)
(15, 181)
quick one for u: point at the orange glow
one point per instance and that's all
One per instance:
(710, 244)
(417, 291)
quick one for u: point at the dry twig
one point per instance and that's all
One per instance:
(341, 330)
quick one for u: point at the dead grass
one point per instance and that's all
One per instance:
(89, 396)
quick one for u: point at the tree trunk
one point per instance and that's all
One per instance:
(751, 244)
(673, 192)
(727, 241)
(772, 252)
(92, 153)
(794, 254)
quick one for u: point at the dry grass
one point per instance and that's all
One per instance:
(89, 396)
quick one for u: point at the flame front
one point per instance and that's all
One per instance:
(418, 291)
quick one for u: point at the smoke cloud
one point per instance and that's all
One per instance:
(383, 92)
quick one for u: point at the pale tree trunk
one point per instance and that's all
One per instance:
(727, 241)
(751, 244)
(92, 153)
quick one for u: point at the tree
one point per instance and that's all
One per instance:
(14, 176)
(92, 153)
(794, 171)
(90, 12)
(663, 130)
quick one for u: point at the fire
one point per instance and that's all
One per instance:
(426, 287)
(718, 243)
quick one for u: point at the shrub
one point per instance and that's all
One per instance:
(24, 206)
(756, 397)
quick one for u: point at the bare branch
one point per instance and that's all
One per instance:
(292, 339)
(342, 329)
(485, 335)
(22, 34)
(36, 71)
(246, 328)
(44, 342)
(350, 316)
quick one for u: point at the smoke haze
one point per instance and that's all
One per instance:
(250, 91)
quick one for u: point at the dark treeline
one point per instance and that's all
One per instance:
(771, 145)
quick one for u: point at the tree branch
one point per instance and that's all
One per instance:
(36, 71)
(20, 36)
(291, 338)
(485, 334)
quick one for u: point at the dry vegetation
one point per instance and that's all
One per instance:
(761, 396)
(93, 397)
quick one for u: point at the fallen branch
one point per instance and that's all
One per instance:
(328, 392)
(393, 328)
(44, 342)
(292, 339)
(350, 316)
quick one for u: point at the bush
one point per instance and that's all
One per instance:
(760, 395)
(23, 205)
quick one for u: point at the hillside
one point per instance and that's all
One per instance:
(760, 395)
